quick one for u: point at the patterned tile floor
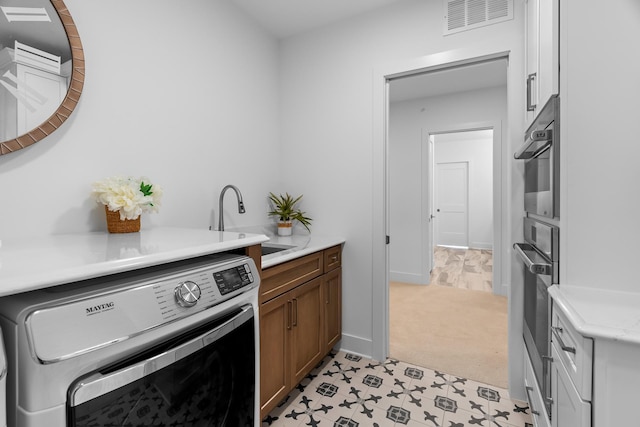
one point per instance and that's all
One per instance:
(463, 268)
(349, 390)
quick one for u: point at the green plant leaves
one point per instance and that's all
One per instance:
(284, 207)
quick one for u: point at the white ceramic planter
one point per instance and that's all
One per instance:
(285, 228)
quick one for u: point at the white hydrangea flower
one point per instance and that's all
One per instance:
(125, 195)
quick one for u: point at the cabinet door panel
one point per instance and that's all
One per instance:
(568, 409)
(332, 294)
(548, 50)
(307, 335)
(531, 45)
(275, 372)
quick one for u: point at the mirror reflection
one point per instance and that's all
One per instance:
(35, 65)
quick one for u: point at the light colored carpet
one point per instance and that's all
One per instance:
(457, 331)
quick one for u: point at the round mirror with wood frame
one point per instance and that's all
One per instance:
(74, 89)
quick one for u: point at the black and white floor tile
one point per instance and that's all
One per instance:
(352, 391)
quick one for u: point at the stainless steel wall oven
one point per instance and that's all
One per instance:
(539, 258)
(541, 153)
(167, 345)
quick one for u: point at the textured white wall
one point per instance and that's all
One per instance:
(327, 128)
(407, 121)
(187, 96)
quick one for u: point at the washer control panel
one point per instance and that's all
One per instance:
(118, 310)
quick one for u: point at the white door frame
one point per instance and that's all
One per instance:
(380, 215)
(426, 194)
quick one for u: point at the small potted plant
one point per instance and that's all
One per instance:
(284, 208)
(124, 200)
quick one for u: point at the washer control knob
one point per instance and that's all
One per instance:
(187, 293)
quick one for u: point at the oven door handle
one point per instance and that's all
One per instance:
(99, 384)
(540, 140)
(539, 268)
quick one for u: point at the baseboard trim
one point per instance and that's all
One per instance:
(399, 276)
(356, 345)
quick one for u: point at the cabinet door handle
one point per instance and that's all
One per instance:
(328, 295)
(289, 315)
(529, 390)
(530, 79)
(295, 312)
(557, 331)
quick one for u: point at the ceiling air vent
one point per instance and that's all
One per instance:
(462, 15)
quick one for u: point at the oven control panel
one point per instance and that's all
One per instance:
(113, 312)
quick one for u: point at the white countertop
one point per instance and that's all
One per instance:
(600, 313)
(302, 244)
(35, 263)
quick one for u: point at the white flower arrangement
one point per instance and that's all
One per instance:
(127, 195)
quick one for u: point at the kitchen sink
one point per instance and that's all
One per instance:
(268, 249)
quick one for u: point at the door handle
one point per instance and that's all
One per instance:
(557, 331)
(295, 312)
(289, 309)
(531, 78)
(529, 390)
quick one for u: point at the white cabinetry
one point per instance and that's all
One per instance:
(595, 370)
(536, 405)
(571, 374)
(28, 95)
(542, 43)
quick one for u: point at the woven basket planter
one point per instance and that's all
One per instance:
(117, 225)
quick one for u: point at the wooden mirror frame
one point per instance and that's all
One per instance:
(73, 91)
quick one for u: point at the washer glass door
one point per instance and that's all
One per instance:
(203, 378)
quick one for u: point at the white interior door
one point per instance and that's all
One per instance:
(452, 204)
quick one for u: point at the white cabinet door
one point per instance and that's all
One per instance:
(548, 50)
(568, 409)
(42, 93)
(531, 45)
(542, 43)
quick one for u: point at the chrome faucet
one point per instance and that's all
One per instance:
(220, 204)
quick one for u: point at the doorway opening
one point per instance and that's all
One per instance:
(442, 179)
(462, 221)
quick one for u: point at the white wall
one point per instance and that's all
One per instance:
(327, 129)
(475, 148)
(187, 96)
(407, 122)
(600, 197)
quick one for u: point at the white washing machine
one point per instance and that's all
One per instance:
(169, 345)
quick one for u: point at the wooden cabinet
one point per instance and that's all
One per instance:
(307, 339)
(300, 321)
(542, 56)
(332, 295)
